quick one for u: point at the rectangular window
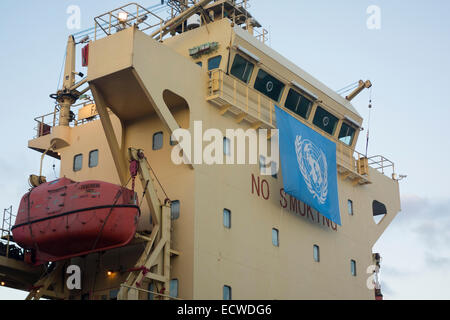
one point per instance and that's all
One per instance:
(350, 207)
(268, 85)
(226, 146)
(175, 209)
(226, 293)
(200, 64)
(151, 287)
(227, 218)
(353, 267)
(214, 63)
(113, 294)
(347, 134)
(242, 68)
(298, 104)
(158, 141)
(325, 121)
(173, 288)
(275, 237)
(77, 162)
(93, 158)
(316, 253)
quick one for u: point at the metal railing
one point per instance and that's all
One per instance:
(234, 92)
(262, 35)
(126, 16)
(8, 248)
(382, 164)
(46, 122)
(225, 90)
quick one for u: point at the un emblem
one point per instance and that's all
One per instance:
(314, 168)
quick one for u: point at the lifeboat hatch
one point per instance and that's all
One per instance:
(56, 199)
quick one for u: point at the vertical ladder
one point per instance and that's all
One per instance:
(7, 222)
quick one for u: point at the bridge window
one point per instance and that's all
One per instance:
(214, 63)
(77, 162)
(93, 158)
(268, 85)
(275, 237)
(175, 209)
(316, 253)
(226, 293)
(242, 68)
(158, 141)
(227, 218)
(325, 121)
(347, 134)
(298, 104)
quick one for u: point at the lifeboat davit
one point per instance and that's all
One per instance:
(63, 219)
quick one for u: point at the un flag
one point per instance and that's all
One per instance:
(308, 165)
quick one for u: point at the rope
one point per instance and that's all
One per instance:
(348, 88)
(60, 73)
(156, 177)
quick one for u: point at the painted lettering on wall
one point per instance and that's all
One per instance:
(261, 188)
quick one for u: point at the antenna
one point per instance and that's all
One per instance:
(368, 125)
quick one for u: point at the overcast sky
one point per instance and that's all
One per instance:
(407, 60)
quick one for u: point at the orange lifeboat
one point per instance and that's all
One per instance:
(65, 219)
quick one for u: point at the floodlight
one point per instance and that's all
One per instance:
(123, 17)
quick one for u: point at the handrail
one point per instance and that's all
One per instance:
(45, 125)
(253, 103)
(228, 90)
(136, 16)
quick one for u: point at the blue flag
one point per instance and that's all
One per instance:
(308, 165)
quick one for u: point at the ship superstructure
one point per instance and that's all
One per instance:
(203, 231)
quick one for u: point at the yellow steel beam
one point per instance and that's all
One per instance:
(118, 156)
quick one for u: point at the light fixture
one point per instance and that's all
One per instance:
(2, 283)
(109, 273)
(123, 17)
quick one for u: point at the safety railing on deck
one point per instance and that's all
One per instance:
(262, 35)
(86, 112)
(127, 16)
(226, 90)
(382, 164)
(8, 248)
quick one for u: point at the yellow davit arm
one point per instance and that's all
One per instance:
(362, 85)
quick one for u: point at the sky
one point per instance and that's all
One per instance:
(406, 59)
